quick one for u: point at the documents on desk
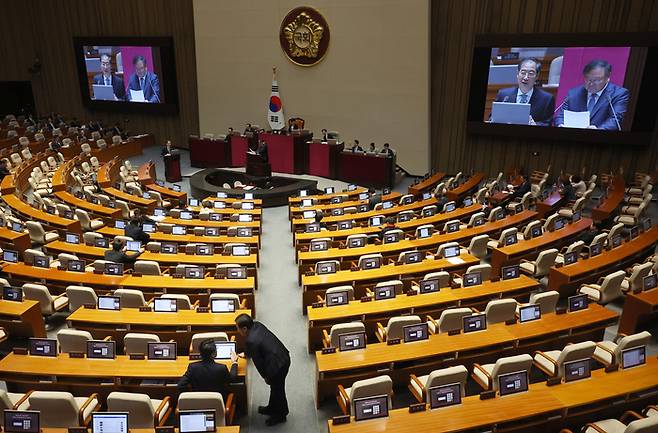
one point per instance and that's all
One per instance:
(576, 119)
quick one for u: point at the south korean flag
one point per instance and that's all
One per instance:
(275, 115)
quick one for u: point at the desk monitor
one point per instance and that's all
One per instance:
(370, 407)
(240, 250)
(363, 196)
(22, 421)
(595, 249)
(559, 223)
(633, 357)
(312, 228)
(337, 211)
(472, 279)
(113, 269)
(219, 205)
(646, 224)
(650, 282)
(616, 241)
(510, 239)
(248, 195)
(319, 245)
(429, 286)
(578, 302)
(384, 292)
(307, 202)
(570, 258)
(345, 225)
(160, 183)
(429, 211)
(204, 250)
(43, 347)
(72, 238)
(529, 313)
(176, 187)
(178, 230)
(161, 351)
(308, 214)
(451, 252)
(165, 305)
(236, 273)
(509, 272)
(193, 202)
(476, 322)
(101, 349)
(224, 349)
(376, 221)
(159, 212)
(303, 193)
(575, 217)
(119, 224)
(351, 341)
(211, 231)
(468, 201)
(109, 303)
(351, 187)
(196, 421)
(371, 263)
(424, 232)
(10, 256)
(452, 227)
(428, 195)
(185, 215)
(576, 370)
(51, 210)
(329, 190)
(413, 257)
(536, 231)
(194, 272)
(101, 242)
(133, 246)
(479, 221)
(247, 205)
(518, 208)
(416, 332)
(511, 383)
(450, 206)
(111, 204)
(221, 194)
(169, 248)
(635, 232)
(390, 238)
(109, 422)
(76, 265)
(387, 204)
(510, 112)
(222, 305)
(16, 226)
(445, 395)
(337, 298)
(244, 232)
(12, 294)
(148, 227)
(146, 196)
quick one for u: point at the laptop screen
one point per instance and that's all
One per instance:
(430, 285)
(169, 248)
(509, 272)
(98, 349)
(17, 227)
(428, 195)
(240, 250)
(445, 395)
(194, 272)
(10, 256)
(351, 341)
(472, 279)
(633, 357)
(109, 303)
(649, 282)
(476, 322)
(576, 370)
(337, 298)
(22, 421)
(113, 268)
(450, 252)
(165, 351)
(221, 194)
(578, 302)
(133, 246)
(219, 205)
(384, 292)
(222, 305)
(196, 421)
(72, 238)
(178, 230)
(109, 422)
(363, 196)
(370, 407)
(529, 312)
(165, 305)
(307, 202)
(119, 224)
(224, 349)
(415, 332)
(43, 347)
(148, 227)
(12, 294)
(512, 383)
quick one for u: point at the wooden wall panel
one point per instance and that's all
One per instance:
(454, 24)
(45, 28)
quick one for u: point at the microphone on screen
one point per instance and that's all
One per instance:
(153, 90)
(506, 98)
(614, 113)
(560, 106)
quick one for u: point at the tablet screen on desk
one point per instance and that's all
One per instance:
(529, 312)
(376, 221)
(204, 250)
(12, 294)
(450, 252)
(363, 196)
(219, 205)
(351, 341)
(72, 238)
(10, 256)
(240, 250)
(416, 332)
(424, 232)
(635, 232)
(319, 245)
(575, 217)
(429, 211)
(307, 202)
(478, 221)
(22, 421)
(405, 216)
(224, 349)
(101, 243)
(370, 407)
(165, 305)
(649, 282)
(384, 292)
(445, 395)
(338, 211)
(178, 230)
(510, 239)
(578, 302)
(646, 224)
(169, 248)
(357, 242)
(536, 231)
(165, 351)
(633, 357)
(222, 305)
(312, 228)
(303, 193)
(248, 195)
(512, 383)
(212, 231)
(452, 227)
(337, 298)
(428, 195)
(193, 202)
(109, 303)
(390, 238)
(160, 183)
(595, 250)
(99, 349)
(133, 246)
(244, 232)
(186, 215)
(472, 279)
(476, 322)
(196, 421)
(429, 285)
(329, 190)
(413, 257)
(119, 224)
(113, 269)
(509, 272)
(559, 223)
(236, 273)
(109, 422)
(43, 347)
(371, 263)
(449, 207)
(17, 227)
(308, 214)
(570, 258)
(176, 188)
(76, 266)
(576, 370)
(345, 225)
(194, 272)
(387, 205)
(247, 205)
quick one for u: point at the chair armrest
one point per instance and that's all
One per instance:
(592, 426)
(630, 414)
(165, 402)
(619, 336)
(107, 338)
(369, 292)
(343, 400)
(23, 399)
(605, 349)
(195, 305)
(565, 430)
(651, 406)
(552, 361)
(81, 419)
(325, 338)
(319, 298)
(486, 386)
(243, 304)
(381, 332)
(413, 378)
(64, 305)
(434, 322)
(230, 409)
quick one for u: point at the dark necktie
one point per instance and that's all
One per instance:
(523, 99)
(591, 102)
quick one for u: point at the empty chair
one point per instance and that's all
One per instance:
(549, 224)
(525, 202)
(143, 411)
(500, 310)
(615, 230)
(448, 205)
(380, 385)
(38, 235)
(450, 320)
(635, 280)
(443, 278)
(478, 246)
(155, 195)
(208, 401)
(331, 339)
(474, 218)
(182, 301)
(49, 304)
(136, 342)
(547, 301)
(73, 340)
(338, 289)
(500, 242)
(130, 298)
(199, 338)
(29, 255)
(147, 267)
(13, 400)
(487, 375)
(495, 213)
(576, 247)
(397, 285)
(540, 267)
(552, 362)
(609, 352)
(420, 385)
(61, 410)
(641, 425)
(90, 237)
(483, 269)
(633, 218)
(86, 222)
(577, 207)
(394, 327)
(406, 198)
(607, 289)
(79, 296)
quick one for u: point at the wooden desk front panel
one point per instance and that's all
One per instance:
(50, 222)
(462, 190)
(615, 198)
(638, 308)
(186, 239)
(22, 319)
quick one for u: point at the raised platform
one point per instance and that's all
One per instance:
(274, 191)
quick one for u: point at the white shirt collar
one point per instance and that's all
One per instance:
(529, 94)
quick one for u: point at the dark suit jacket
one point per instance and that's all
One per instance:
(602, 115)
(262, 151)
(542, 103)
(208, 377)
(151, 87)
(117, 85)
(521, 190)
(136, 232)
(269, 354)
(119, 257)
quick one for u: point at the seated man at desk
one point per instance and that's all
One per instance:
(134, 230)
(4, 171)
(356, 147)
(387, 150)
(372, 148)
(208, 375)
(116, 254)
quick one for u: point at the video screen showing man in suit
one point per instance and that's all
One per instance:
(143, 86)
(605, 101)
(108, 78)
(541, 102)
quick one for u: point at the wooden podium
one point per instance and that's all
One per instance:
(257, 167)
(172, 167)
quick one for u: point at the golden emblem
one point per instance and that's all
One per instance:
(304, 36)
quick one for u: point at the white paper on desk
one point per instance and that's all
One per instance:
(455, 260)
(137, 95)
(155, 218)
(576, 119)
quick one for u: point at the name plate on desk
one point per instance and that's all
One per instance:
(411, 292)
(612, 368)
(366, 299)
(96, 272)
(77, 430)
(164, 429)
(195, 356)
(392, 341)
(20, 350)
(309, 273)
(486, 395)
(560, 310)
(137, 274)
(510, 322)
(554, 381)
(454, 332)
(145, 308)
(327, 350)
(417, 407)
(89, 306)
(61, 268)
(76, 355)
(202, 309)
(342, 419)
(317, 305)
(137, 356)
(176, 275)
(342, 247)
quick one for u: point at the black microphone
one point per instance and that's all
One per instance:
(614, 113)
(152, 89)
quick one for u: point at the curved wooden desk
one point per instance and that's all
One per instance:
(429, 183)
(295, 211)
(186, 239)
(146, 176)
(465, 188)
(610, 204)
(325, 198)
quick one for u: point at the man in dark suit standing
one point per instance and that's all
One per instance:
(107, 78)
(262, 151)
(207, 375)
(272, 361)
(145, 81)
(541, 103)
(605, 101)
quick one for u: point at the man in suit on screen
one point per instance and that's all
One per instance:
(107, 78)
(145, 81)
(541, 103)
(606, 102)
